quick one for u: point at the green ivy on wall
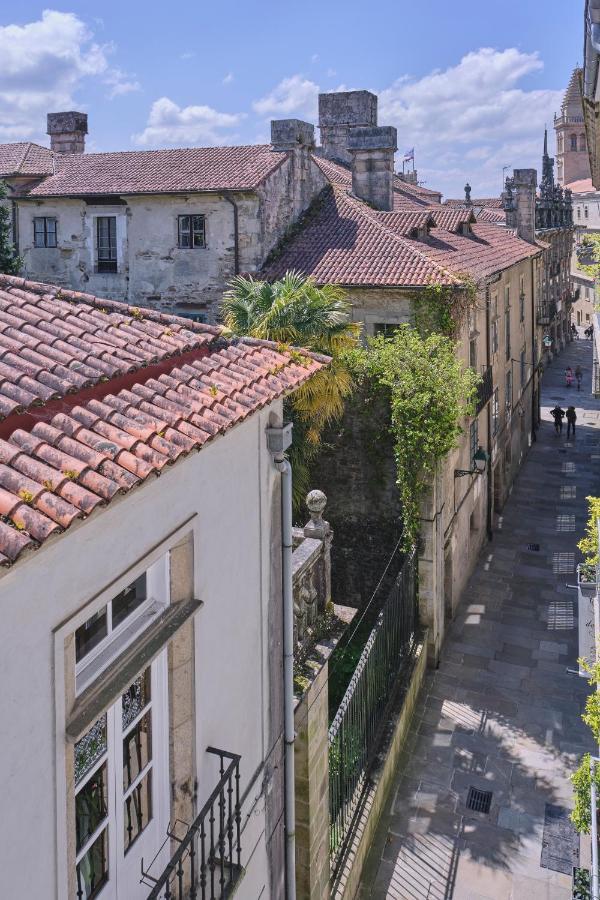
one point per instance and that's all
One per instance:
(430, 392)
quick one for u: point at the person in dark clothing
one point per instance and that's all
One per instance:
(558, 415)
(571, 419)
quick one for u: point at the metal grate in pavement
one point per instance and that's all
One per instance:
(534, 547)
(479, 801)
(560, 841)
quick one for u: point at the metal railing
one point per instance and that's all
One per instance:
(207, 863)
(356, 729)
(485, 388)
(546, 312)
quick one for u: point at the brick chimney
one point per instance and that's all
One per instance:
(67, 131)
(339, 114)
(372, 151)
(524, 184)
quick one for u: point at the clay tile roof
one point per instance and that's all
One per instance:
(489, 202)
(485, 251)
(160, 171)
(491, 215)
(25, 158)
(342, 241)
(406, 196)
(66, 454)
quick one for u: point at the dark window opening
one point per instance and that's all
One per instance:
(106, 243)
(191, 231)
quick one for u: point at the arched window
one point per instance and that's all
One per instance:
(585, 211)
(582, 141)
(573, 142)
(578, 212)
(559, 143)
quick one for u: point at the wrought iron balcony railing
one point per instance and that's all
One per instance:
(207, 863)
(546, 312)
(485, 388)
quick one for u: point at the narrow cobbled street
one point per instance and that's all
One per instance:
(502, 713)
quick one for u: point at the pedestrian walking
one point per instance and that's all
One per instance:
(574, 331)
(558, 415)
(578, 377)
(571, 419)
(569, 376)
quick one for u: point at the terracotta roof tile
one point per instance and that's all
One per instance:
(78, 458)
(25, 158)
(159, 171)
(344, 242)
(54, 342)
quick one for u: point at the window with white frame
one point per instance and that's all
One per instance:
(121, 761)
(191, 232)
(521, 298)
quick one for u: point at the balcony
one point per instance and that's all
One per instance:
(207, 862)
(485, 389)
(546, 312)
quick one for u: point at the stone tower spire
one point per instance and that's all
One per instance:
(547, 164)
(571, 151)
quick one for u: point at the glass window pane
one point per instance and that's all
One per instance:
(136, 698)
(137, 750)
(137, 810)
(90, 634)
(91, 806)
(90, 748)
(128, 600)
(92, 870)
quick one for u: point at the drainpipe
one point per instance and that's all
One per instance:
(15, 226)
(236, 233)
(278, 440)
(488, 360)
(534, 386)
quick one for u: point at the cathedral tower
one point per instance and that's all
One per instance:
(571, 151)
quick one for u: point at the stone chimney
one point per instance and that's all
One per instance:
(524, 184)
(292, 134)
(339, 114)
(67, 131)
(372, 150)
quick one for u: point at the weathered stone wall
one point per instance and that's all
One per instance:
(152, 270)
(356, 469)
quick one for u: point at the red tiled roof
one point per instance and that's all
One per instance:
(25, 158)
(160, 171)
(491, 215)
(343, 241)
(487, 250)
(58, 463)
(407, 222)
(417, 190)
(583, 186)
(406, 196)
(54, 342)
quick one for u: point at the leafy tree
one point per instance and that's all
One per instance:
(589, 544)
(430, 393)
(296, 312)
(10, 263)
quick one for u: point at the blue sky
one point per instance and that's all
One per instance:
(468, 84)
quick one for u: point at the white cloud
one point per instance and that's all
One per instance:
(314, 58)
(229, 78)
(469, 120)
(189, 54)
(170, 125)
(42, 64)
(295, 96)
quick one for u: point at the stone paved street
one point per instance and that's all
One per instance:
(501, 713)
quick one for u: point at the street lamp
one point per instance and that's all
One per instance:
(480, 460)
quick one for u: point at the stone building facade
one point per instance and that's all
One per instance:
(572, 163)
(165, 229)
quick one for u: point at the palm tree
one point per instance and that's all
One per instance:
(296, 312)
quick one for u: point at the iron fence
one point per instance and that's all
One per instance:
(207, 863)
(356, 729)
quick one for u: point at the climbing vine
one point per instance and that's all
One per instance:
(430, 392)
(10, 263)
(443, 309)
(582, 778)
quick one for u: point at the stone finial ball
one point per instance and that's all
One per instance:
(316, 502)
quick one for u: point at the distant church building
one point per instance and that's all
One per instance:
(571, 150)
